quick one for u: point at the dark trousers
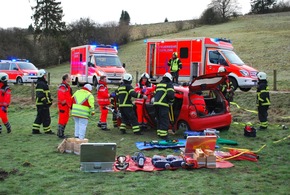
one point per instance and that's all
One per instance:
(175, 76)
(128, 116)
(42, 117)
(162, 116)
(263, 115)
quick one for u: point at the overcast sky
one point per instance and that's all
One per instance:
(17, 13)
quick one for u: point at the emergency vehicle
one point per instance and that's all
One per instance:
(19, 70)
(89, 62)
(199, 56)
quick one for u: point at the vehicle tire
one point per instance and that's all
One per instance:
(245, 89)
(234, 82)
(183, 126)
(225, 128)
(19, 81)
(95, 82)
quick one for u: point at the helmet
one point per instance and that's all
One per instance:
(262, 76)
(168, 75)
(127, 77)
(3, 77)
(41, 73)
(175, 53)
(145, 75)
(88, 87)
(221, 69)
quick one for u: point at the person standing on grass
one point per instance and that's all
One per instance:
(43, 103)
(263, 100)
(5, 99)
(124, 93)
(175, 65)
(103, 98)
(83, 106)
(64, 94)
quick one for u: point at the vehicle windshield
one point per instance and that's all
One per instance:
(27, 66)
(232, 57)
(106, 60)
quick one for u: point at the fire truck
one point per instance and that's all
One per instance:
(89, 62)
(199, 56)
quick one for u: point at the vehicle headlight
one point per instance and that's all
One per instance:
(244, 72)
(25, 74)
(102, 73)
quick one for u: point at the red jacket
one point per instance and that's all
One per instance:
(198, 101)
(103, 95)
(64, 94)
(5, 95)
(145, 89)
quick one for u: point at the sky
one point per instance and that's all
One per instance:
(17, 13)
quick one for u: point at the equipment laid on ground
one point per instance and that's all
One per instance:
(121, 163)
(249, 131)
(172, 142)
(168, 162)
(97, 157)
(139, 159)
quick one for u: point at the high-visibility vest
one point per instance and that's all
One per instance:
(174, 64)
(83, 104)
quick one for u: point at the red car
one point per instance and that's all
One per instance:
(188, 115)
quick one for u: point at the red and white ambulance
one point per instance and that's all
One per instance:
(199, 56)
(89, 62)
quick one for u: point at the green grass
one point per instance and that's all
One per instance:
(35, 167)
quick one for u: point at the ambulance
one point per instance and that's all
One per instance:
(199, 56)
(89, 62)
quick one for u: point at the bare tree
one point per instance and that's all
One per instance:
(225, 8)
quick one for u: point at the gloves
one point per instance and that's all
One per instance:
(4, 109)
(113, 94)
(144, 90)
(145, 97)
(152, 100)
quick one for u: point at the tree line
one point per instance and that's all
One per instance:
(48, 40)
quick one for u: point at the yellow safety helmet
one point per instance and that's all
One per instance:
(175, 53)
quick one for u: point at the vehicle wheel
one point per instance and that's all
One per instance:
(234, 82)
(225, 128)
(95, 82)
(19, 81)
(182, 126)
(245, 89)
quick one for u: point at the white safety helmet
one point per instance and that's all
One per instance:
(145, 75)
(127, 77)
(168, 75)
(262, 76)
(3, 77)
(221, 69)
(88, 87)
(41, 73)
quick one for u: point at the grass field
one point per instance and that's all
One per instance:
(30, 164)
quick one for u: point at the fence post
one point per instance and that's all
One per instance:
(275, 80)
(48, 78)
(32, 91)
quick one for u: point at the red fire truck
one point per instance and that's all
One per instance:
(199, 56)
(89, 62)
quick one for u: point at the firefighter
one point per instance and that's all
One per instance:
(103, 97)
(144, 87)
(5, 99)
(124, 93)
(197, 99)
(64, 94)
(83, 106)
(263, 100)
(227, 88)
(175, 65)
(163, 98)
(43, 103)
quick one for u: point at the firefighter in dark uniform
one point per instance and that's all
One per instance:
(5, 99)
(43, 103)
(124, 93)
(263, 100)
(164, 96)
(175, 65)
(227, 87)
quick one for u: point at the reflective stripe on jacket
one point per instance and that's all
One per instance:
(263, 96)
(164, 94)
(175, 64)
(103, 95)
(64, 94)
(83, 104)
(43, 96)
(125, 92)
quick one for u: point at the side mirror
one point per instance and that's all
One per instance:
(90, 64)
(124, 65)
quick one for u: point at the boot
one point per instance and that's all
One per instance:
(104, 127)
(8, 127)
(60, 131)
(34, 131)
(99, 124)
(0, 129)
